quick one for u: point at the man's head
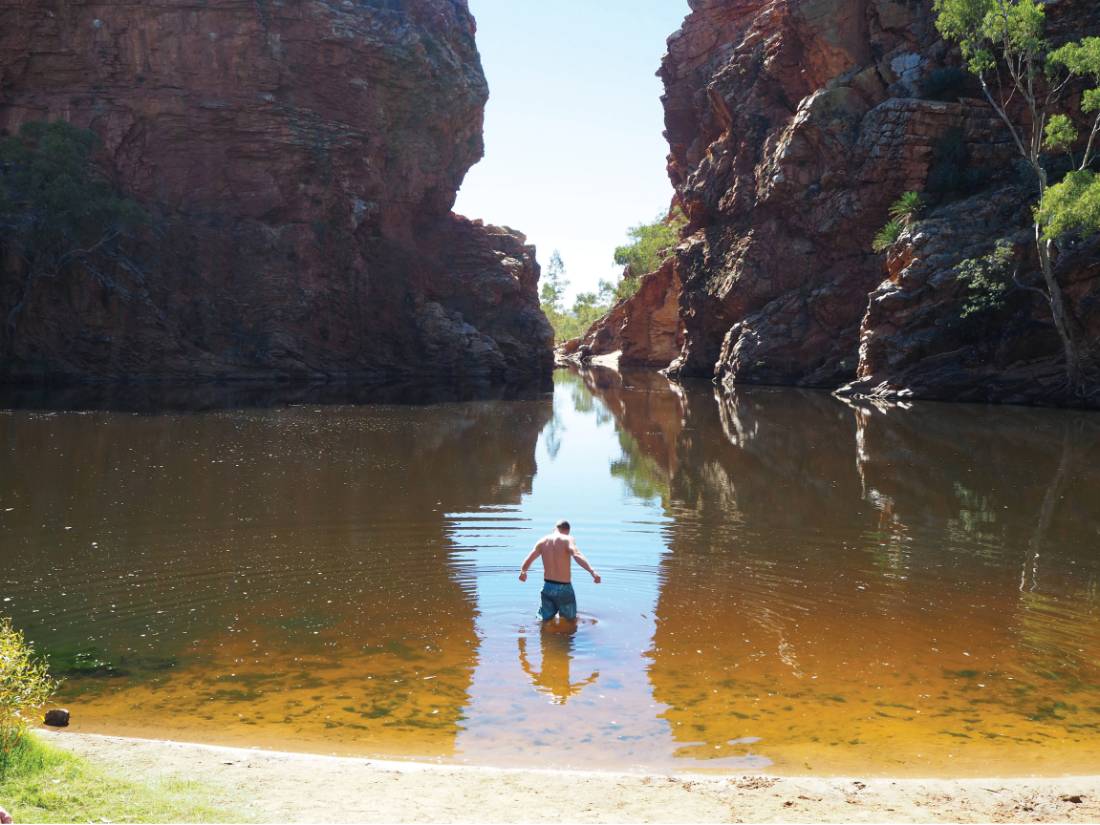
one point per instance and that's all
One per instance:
(563, 527)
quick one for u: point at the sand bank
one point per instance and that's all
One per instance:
(293, 787)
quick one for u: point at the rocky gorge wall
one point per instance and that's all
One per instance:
(792, 127)
(299, 160)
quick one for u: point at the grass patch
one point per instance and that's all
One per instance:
(44, 784)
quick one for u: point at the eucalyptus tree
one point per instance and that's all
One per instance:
(1024, 80)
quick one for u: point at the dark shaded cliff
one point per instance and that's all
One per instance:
(299, 160)
(792, 126)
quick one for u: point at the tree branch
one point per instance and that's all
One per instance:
(1086, 161)
(1003, 115)
(1055, 92)
(1016, 280)
(84, 253)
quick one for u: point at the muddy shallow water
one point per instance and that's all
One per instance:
(791, 584)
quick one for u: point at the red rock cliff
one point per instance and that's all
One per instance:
(792, 126)
(300, 159)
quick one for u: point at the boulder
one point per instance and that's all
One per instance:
(57, 718)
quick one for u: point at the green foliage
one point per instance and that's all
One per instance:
(626, 288)
(45, 784)
(1080, 58)
(1072, 206)
(961, 21)
(903, 212)
(887, 236)
(554, 286)
(1090, 101)
(552, 297)
(25, 685)
(1060, 134)
(56, 206)
(650, 244)
(985, 28)
(986, 279)
(587, 306)
(906, 208)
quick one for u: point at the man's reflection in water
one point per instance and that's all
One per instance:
(557, 655)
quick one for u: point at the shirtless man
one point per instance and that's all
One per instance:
(557, 550)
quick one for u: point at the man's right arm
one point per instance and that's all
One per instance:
(527, 562)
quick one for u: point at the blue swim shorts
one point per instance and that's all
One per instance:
(558, 597)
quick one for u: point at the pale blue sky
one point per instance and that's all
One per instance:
(573, 146)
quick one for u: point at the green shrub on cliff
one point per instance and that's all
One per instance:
(906, 208)
(57, 207)
(986, 280)
(903, 212)
(650, 244)
(886, 237)
(25, 685)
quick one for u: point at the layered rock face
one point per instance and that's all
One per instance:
(644, 330)
(915, 342)
(300, 160)
(792, 126)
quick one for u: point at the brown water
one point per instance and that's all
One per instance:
(791, 584)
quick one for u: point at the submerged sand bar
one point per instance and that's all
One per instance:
(293, 787)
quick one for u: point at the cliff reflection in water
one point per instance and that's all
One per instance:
(910, 589)
(272, 576)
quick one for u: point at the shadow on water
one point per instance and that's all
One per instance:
(160, 397)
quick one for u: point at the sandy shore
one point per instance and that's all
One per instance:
(291, 787)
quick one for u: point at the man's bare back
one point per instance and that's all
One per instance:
(558, 550)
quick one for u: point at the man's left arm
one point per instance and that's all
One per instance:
(583, 562)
